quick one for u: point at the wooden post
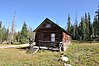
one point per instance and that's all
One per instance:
(64, 47)
(39, 43)
(60, 46)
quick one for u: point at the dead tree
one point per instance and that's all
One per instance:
(12, 31)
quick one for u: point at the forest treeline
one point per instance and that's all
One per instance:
(86, 30)
(20, 37)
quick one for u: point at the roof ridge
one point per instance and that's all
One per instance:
(47, 19)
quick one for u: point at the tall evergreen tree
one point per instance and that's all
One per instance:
(83, 29)
(90, 28)
(72, 31)
(97, 26)
(3, 34)
(86, 27)
(91, 31)
(18, 34)
(24, 34)
(69, 24)
(95, 22)
(6, 34)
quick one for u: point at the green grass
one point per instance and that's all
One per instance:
(83, 54)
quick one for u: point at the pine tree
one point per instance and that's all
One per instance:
(6, 34)
(86, 27)
(69, 24)
(95, 22)
(80, 30)
(24, 34)
(90, 28)
(3, 34)
(91, 31)
(72, 31)
(18, 34)
(83, 29)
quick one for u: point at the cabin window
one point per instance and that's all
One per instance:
(48, 26)
(53, 37)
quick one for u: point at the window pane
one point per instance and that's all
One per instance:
(52, 39)
(48, 26)
(52, 35)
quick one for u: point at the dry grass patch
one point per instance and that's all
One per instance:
(84, 54)
(17, 57)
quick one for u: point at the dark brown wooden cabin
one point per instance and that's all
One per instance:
(50, 34)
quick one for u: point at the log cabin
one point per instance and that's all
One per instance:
(50, 34)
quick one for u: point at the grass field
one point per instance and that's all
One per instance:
(83, 54)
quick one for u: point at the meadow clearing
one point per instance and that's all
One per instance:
(83, 54)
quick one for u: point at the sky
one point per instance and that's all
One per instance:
(33, 12)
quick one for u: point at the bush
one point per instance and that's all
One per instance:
(24, 40)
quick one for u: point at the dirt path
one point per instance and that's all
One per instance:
(15, 46)
(23, 46)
